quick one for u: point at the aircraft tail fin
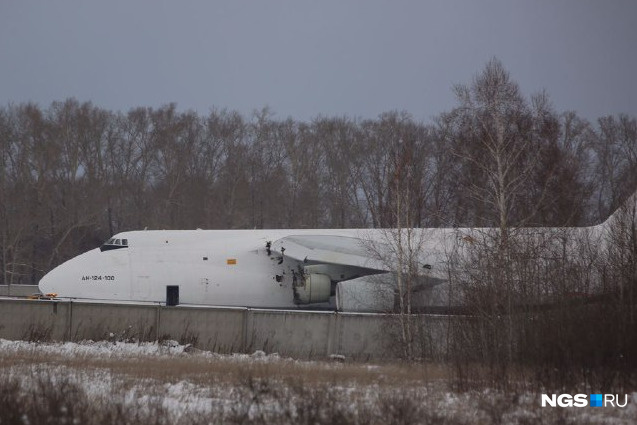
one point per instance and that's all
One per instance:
(625, 211)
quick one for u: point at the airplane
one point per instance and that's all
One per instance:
(279, 269)
(350, 270)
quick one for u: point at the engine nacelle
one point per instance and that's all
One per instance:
(314, 288)
(366, 294)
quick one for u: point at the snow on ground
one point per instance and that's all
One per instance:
(258, 398)
(118, 349)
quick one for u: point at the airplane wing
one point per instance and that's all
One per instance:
(324, 264)
(316, 263)
(324, 249)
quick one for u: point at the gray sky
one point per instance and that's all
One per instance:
(307, 58)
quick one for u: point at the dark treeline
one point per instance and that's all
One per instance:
(73, 174)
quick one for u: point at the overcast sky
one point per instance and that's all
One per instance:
(309, 58)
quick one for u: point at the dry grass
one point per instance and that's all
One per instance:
(41, 387)
(227, 369)
(47, 387)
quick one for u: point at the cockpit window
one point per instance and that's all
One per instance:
(114, 243)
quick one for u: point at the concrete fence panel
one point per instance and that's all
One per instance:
(123, 322)
(290, 333)
(219, 330)
(299, 334)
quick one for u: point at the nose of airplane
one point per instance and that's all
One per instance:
(64, 278)
(47, 284)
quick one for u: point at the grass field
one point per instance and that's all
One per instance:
(150, 383)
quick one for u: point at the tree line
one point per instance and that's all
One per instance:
(72, 173)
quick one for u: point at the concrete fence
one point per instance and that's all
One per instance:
(299, 334)
(18, 290)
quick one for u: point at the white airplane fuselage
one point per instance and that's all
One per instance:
(211, 267)
(302, 268)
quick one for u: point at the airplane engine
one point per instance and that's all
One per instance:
(366, 294)
(315, 288)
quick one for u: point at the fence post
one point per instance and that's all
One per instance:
(70, 321)
(247, 313)
(158, 321)
(332, 334)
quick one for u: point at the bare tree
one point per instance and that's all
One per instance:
(6, 135)
(266, 169)
(304, 174)
(228, 191)
(495, 135)
(615, 146)
(341, 155)
(401, 244)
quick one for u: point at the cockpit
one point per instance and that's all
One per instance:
(114, 243)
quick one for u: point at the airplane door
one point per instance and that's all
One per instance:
(172, 295)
